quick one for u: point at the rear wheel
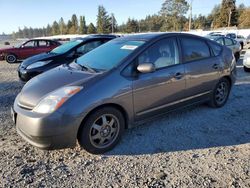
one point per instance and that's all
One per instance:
(237, 56)
(246, 69)
(102, 130)
(11, 58)
(220, 93)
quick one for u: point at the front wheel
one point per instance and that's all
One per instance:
(102, 130)
(11, 58)
(220, 93)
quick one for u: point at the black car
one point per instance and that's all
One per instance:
(63, 54)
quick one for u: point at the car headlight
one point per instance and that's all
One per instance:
(55, 99)
(38, 64)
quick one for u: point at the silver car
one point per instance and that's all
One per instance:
(119, 85)
(234, 45)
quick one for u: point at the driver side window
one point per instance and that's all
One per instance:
(162, 54)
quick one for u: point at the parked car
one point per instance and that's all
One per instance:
(242, 40)
(65, 53)
(230, 43)
(121, 84)
(246, 62)
(27, 49)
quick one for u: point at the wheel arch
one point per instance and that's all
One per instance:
(113, 105)
(229, 79)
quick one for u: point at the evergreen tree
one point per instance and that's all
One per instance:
(83, 27)
(132, 26)
(103, 21)
(91, 29)
(114, 25)
(74, 27)
(62, 26)
(48, 30)
(55, 28)
(228, 14)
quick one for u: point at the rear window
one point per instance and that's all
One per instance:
(194, 49)
(228, 42)
(215, 48)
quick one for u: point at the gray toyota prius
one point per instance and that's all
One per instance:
(121, 84)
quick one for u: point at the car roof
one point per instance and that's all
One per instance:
(98, 36)
(153, 36)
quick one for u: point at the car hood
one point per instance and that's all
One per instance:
(39, 57)
(40, 86)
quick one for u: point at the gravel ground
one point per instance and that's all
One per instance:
(195, 147)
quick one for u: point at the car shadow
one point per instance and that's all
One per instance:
(198, 127)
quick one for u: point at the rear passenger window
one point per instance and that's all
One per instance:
(215, 48)
(194, 49)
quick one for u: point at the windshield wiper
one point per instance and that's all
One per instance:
(85, 67)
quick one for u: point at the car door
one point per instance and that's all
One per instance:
(153, 92)
(43, 46)
(28, 49)
(201, 67)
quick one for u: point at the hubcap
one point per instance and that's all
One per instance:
(221, 93)
(104, 131)
(11, 58)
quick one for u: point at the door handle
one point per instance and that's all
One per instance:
(178, 75)
(215, 66)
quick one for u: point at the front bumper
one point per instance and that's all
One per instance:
(53, 131)
(2, 57)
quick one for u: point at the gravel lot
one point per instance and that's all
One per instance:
(197, 147)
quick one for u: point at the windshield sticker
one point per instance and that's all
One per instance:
(129, 47)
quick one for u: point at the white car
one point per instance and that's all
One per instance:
(246, 61)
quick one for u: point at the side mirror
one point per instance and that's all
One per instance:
(146, 68)
(22, 46)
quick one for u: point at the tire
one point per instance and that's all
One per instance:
(102, 130)
(11, 58)
(246, 69)
(237, 56)
(220, 93)
(242, 45)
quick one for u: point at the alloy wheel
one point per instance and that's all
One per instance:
(104, 131)
(221, 93)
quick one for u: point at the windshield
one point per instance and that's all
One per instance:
(108, 55)
(66, 47)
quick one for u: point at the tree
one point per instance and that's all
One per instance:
(244, 21)
(114, 26)
(172, 12)
(132, 26)
(48, 30)
(228, 14)
(83, 27)
(73, 25)
(91, 29)
(55, 28)
(103, 21)
(62, 26)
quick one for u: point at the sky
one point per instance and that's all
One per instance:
(38, 13)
